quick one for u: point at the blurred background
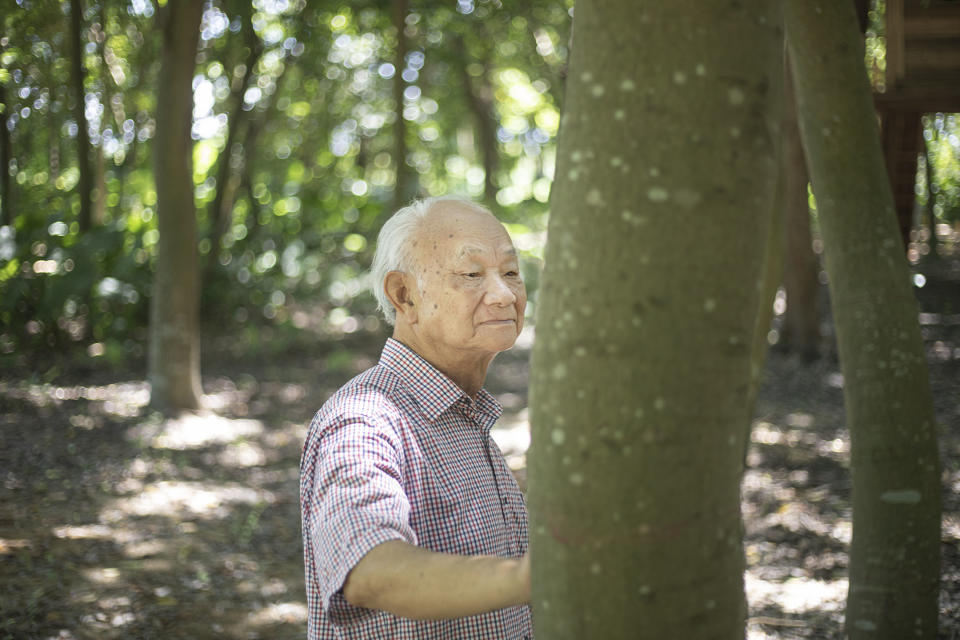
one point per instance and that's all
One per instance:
(312, 122)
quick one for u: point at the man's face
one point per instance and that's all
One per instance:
(471, 296)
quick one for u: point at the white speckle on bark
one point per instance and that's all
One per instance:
(863, 625)
(586, 76)
(658, 194)
(576, 156)
(580, 352)
(627, 85)
(701, 70)
(901, 496)
(736, 96)
(595, 568)
(619, 114)
(710, 604)
(732, 440)
(734, 132)
(826, 131)
(659, 404)
(595, 198)
(638, 413)
(709, 305)
(581, 394)
(573, 175)
(645, 590)
(644, 259)
(687, 198)
(679, 77)
(597, 90)
(558, 437)
(576, 478)
(627, 450)
(654, 172)
(559, 371)
(616, 161)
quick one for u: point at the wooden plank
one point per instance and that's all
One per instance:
(931, 55)
(943, 96)
(895, 42)
(937, 21)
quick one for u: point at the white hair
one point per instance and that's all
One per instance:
(394, 244)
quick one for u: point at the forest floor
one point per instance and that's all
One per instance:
(116, 523)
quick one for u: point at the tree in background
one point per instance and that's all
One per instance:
(78, 78)
(174, 361)
(801, 322)
(667, 166)
(895, 551)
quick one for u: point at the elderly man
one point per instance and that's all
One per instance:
(413, 526)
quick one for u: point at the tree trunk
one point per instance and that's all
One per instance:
(6, 155)
(895, 552)
(85, 185)
(641, 366)
(228, 180)
(405, 185)
(801, 324)
(174, 319)
(480, 101)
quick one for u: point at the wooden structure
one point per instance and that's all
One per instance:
(922, 76)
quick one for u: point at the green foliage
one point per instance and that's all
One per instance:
(294, 164)
(942, 135)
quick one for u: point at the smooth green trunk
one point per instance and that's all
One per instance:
(174, 313)
(894, 557)
(641, 366)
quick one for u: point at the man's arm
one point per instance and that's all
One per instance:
(412, 582)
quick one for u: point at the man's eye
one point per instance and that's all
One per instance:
(511, 274)
(473, 274)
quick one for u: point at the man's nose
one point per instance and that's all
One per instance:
(499, 292)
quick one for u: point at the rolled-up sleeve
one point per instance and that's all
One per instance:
(356, 496)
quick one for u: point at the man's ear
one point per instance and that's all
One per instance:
(399, 288)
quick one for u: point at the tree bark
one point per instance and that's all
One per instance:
(895, 551)
(641, 367)
(85, 184)
(174, 320)
(801, 324)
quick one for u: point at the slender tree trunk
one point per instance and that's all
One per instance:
(85, 185)
(801, 324)
(228, 180)
(895, 552)
(405, 186)
(480, 100)
(928, 212)
(641, 367)
(174, 320)
(6, 155)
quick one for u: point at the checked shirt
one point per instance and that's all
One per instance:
(401, 452)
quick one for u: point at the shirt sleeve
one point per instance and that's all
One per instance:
(358, 500)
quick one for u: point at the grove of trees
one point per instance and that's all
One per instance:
(221, 167)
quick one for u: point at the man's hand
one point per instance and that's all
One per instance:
(408, 581)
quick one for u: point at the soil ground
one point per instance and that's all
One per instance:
(117, 523)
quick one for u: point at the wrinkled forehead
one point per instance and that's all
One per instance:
(459, 233)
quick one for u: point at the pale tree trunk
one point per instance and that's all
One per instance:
(85, 184)
(641, 366)
(174, 314)
(895, 552)
(801, 324)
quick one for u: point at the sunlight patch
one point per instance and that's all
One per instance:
(290, 612)
(194, 431)
(177, 499)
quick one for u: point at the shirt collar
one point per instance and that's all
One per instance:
(434, 391)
